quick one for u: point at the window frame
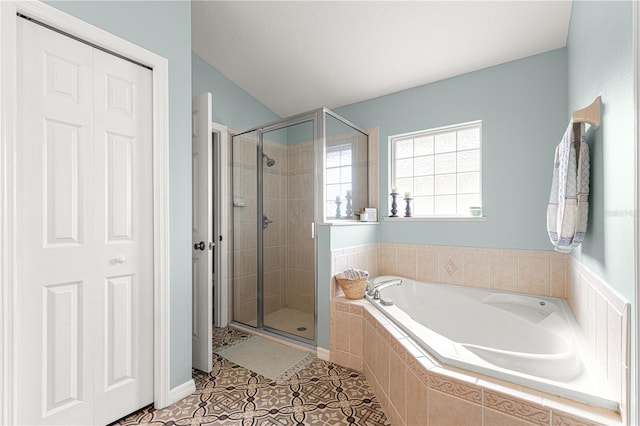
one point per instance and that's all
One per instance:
(433, 132)
(339, 147)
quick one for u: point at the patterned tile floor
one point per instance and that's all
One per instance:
(321, 394)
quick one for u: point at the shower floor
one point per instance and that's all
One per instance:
(290, 321)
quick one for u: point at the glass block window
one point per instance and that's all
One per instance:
(441, 168)
(339, 167)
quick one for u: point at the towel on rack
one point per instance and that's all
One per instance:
(568, 206)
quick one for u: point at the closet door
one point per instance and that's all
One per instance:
(123, 268)
(84, 289)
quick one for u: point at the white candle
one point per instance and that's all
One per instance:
(394, 189)
(348, 193)
(407, 194)
(337, 198)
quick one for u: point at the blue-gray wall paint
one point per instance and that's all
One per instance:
(232, 105)
(343, 236)
(601, 64)
(163, 27)
(523, 108)
(600, 59)
(323, 280)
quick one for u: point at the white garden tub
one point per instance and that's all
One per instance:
(530, 340)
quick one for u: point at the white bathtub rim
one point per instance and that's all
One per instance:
(597, 395)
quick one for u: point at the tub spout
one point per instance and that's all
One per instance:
(375, 289)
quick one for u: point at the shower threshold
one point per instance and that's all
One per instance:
(285, 324)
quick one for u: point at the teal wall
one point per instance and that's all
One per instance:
(601, 64)
(232, 105)
(163, 27)
(343, 236)
(523, 108)
(600, 58)
(323, 280)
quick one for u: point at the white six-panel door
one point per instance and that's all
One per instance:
(84, 225)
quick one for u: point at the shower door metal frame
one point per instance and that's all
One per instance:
(320, 154)
(312, 116)
(319, 214)
(291, 121)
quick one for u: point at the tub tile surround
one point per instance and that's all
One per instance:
(534, 272)
(391, 361)
(541, 273)
(603, 315)
(414, 388)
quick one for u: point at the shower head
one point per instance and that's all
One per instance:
(270, 161)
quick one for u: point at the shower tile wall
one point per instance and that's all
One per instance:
(299, 290)
(275, 243)
(288, 246)
(245, 232)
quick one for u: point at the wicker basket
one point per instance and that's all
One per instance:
(353, 289)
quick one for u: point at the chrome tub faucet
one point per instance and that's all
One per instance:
(374, 290)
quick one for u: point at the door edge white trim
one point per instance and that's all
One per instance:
(181, 391)
(633, 413)
(8, 100)
(222, 309)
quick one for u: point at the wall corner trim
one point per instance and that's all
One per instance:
(323, 354)
(181, 391)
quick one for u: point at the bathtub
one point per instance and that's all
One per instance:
(533, 341)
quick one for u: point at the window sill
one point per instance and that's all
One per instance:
(346, 223)
(436, 219)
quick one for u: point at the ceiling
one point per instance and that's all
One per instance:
(295, 56)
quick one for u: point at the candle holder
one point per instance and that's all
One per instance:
(338, 215)
(407, 211)
(394, 204)
(349, 209)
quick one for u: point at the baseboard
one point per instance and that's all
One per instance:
(323, 353)
(181, 391)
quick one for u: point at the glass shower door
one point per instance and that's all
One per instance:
(288, 252)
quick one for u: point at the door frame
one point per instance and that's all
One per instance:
(221, 222)
(633, 414)
(160, 163)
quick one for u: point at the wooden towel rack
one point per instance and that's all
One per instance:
(590, 114)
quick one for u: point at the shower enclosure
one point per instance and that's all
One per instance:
(287, 177)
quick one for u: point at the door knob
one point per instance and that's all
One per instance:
(199, 246)
(265, 221)
(119, 259)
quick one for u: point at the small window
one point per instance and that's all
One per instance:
(441, 168)
(339, 168)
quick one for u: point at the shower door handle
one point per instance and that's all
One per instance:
(265, 221)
